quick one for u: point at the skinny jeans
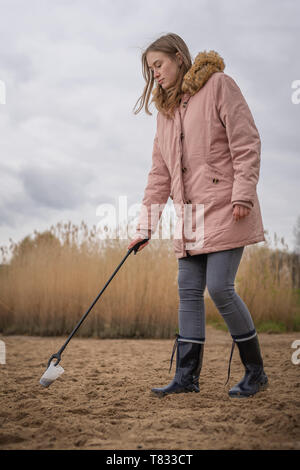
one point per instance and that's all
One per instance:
(217, 272)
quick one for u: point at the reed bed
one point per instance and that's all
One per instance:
(48, 280)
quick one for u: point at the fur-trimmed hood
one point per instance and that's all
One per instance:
(205, 64)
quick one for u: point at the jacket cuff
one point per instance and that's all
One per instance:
(243, 203)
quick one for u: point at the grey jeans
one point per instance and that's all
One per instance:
(217, 271)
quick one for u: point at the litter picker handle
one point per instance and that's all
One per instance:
(138, 244)
(59, 353)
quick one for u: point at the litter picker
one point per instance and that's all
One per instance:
(53, 371)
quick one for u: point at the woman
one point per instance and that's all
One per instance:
(206, 158)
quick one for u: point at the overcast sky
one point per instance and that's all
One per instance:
(69, 140)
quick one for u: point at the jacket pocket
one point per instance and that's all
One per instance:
(219, 185)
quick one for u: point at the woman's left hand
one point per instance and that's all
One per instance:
(239, 212)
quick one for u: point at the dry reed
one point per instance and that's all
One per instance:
(52, 278)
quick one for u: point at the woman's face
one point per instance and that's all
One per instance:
(164, 69)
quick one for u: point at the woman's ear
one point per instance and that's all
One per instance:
(179, 58)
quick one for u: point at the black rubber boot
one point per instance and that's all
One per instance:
(255, 378)
(188, 366)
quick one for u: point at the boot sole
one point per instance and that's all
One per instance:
(240, 395)
(163, 394)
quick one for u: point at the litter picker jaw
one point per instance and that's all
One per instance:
(53, 371)
(55, 356)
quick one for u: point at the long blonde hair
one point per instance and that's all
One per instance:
(165, 100)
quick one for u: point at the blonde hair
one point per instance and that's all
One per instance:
(165, 100)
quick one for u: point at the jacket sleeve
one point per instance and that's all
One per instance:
(243, 138)
(156, 194)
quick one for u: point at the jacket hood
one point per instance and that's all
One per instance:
(204, 66)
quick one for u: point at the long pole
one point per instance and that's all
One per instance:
(59, 353)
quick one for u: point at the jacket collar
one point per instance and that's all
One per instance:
(204, 66)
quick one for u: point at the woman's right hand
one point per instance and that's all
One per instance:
(135, 241)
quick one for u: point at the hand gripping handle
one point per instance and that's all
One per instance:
(138, 244)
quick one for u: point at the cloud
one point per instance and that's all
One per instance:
(68, 137)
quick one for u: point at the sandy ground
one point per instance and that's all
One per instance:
(103, 399)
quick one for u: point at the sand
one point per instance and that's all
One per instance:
(103, 399)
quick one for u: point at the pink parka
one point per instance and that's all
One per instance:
(206, 160)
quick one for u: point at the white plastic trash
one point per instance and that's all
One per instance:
(51, 374)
